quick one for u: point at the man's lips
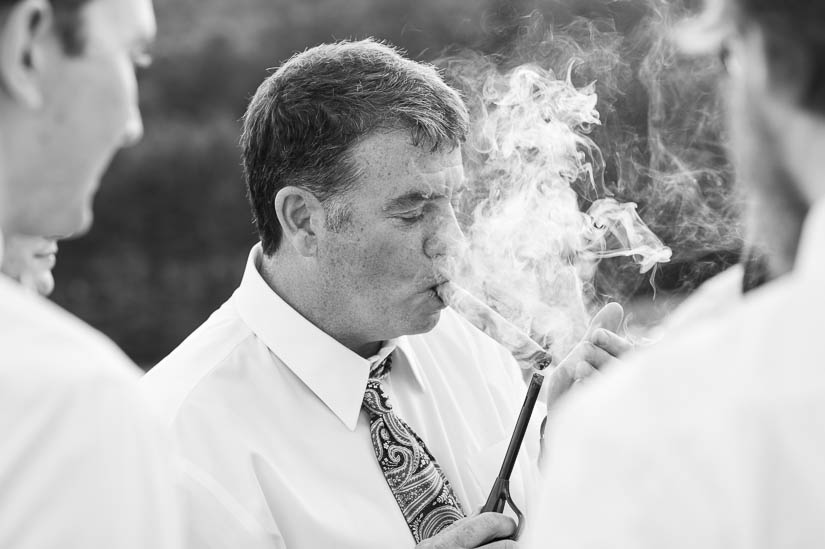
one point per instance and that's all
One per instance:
(48, 260)
(47, 255)
(433, 292)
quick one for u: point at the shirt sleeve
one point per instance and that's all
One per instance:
(83, 465)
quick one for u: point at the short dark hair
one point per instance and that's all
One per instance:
(304, 119)
(69, 22)
(794, 33)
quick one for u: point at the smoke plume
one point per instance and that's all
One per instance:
(592, 142)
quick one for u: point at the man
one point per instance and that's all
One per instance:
(83, 465)
(716, 439)
(332, 401)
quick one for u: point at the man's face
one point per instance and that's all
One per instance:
(379, 270)
(89, 111)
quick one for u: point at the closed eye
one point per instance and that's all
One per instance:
(412, 216)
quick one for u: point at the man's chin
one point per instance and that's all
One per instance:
(425, 323)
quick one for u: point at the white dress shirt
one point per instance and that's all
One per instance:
(715, 440)
(83, 465)
(266, 410)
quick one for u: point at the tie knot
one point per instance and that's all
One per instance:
(375, 400)
(382, 369)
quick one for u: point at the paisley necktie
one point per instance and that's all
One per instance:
(422, 491)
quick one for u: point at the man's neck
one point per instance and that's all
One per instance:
(299, 288)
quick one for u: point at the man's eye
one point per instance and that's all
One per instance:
(411, 217)
(457, 197)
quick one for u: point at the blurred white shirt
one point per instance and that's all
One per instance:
(718, 295)
(266, 409)
(82, 463)
(714, 440)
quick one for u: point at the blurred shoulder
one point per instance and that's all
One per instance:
(715, 296)
(46, 347)
(754, 357)
(222, 341)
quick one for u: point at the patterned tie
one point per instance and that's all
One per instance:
(422, 491)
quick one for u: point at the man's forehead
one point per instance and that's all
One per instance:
(440, 180)
(437, 163)
(394, 151)
(435, 174)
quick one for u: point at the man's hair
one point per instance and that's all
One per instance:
(304, 119)
(794, 33)
(69, 22)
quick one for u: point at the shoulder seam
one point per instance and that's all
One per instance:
(185, 396)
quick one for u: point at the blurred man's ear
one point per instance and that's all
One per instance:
(301, 216)
(25, 34)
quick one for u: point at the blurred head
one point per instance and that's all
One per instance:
(352, 155)
(68, 102)
(775, 54)
(30, 260)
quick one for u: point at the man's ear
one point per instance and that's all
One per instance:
(300, 214)
(25, 35)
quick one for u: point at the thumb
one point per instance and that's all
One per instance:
(609, 317)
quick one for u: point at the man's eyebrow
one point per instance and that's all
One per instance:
(412, 199)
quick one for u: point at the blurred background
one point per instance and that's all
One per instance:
(172, 227)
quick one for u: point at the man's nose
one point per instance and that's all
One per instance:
(447, 239)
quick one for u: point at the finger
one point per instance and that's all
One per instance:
(583, 371)
(558, 383)
(502, 544)
(611, 342)
(481, 529)
(609, 317)
(592, 354)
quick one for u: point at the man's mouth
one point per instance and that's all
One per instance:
(47, 255)
(49, 260)
(433, 292)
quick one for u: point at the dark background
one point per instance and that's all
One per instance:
(172, 227)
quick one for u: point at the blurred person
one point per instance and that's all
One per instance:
(29, 260)
(83, 464)
(716, 439)
(332, 401)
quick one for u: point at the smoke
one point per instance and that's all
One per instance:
(591, 140)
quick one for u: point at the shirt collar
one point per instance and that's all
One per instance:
(404, 357)
(811, 255)
(385, 351)
(334, 373)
